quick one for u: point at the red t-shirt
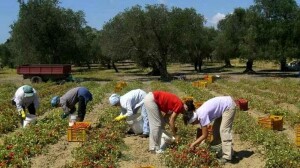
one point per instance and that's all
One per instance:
(168, 102)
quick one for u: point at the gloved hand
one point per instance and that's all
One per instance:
(64, 115)
(120, 117)
(22, 114)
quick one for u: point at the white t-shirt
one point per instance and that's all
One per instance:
(131, 101)
(213, 108)
(25, 101)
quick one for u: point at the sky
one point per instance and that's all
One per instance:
(98, 12)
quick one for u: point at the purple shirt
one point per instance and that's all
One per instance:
(213, 108)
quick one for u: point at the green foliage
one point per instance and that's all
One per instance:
(45, 33)
(154, 36)
(18, 147)
(280, 153)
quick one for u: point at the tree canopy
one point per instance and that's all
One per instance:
(153, 36)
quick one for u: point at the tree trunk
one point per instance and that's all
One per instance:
(162, 67)
(108, 65)
(283, 65)
(200, 62)
(196, 65)
(155, 71)
(114, 66)
(249, 66)
(88, 65)
(227, 63)
(164, 75)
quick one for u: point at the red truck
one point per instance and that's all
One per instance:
(44, 72)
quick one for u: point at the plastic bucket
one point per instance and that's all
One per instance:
(30, 118)
(136, 123)
(166, 139)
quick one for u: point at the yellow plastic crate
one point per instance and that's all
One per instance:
(121, 84)
(203, 84)
(273, 122)
(209, 79)
(265, 122)
(78, 132)
(77, 135)
(117, 89)
(195, 84)
(200, 84)
(297, 135)
(277, 122)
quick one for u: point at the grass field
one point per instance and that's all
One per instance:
(269, 91)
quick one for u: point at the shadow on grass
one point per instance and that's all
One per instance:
(85, 79)
(240, 155)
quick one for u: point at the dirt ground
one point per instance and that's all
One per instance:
(60, 153)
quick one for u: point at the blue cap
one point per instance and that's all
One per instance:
(54, 101)
(114, 99)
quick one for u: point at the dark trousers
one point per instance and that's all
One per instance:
(30, 108)
(81, 108)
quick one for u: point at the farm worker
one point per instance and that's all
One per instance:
(221, 110)
(80, 95)
(163, 107)
(130, 103)
(26, 97)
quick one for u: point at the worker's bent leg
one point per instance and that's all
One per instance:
(31, 109)
(155, 121)
(81, 108)
(226, 136)
(216, 131)
(146, 128)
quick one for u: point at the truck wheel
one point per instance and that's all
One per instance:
(36, 79)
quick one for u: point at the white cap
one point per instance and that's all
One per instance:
(193, 119)
(114, 99)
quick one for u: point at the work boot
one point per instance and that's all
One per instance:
(130, 132)
(223, 161)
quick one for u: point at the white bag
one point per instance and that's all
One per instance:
(136, 123)
(30, 118)
(166, 140)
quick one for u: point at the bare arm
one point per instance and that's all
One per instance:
(201, 138)
(172, 123)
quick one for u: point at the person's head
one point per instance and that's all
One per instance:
(114, 99)
(189, 105)
(190, 117)
(55, 101)
(28, 91)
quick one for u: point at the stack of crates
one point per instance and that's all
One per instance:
(78, 132)
(200, 84)
(209, 79)
(265, 122)
(298, 135)
(273, 122)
